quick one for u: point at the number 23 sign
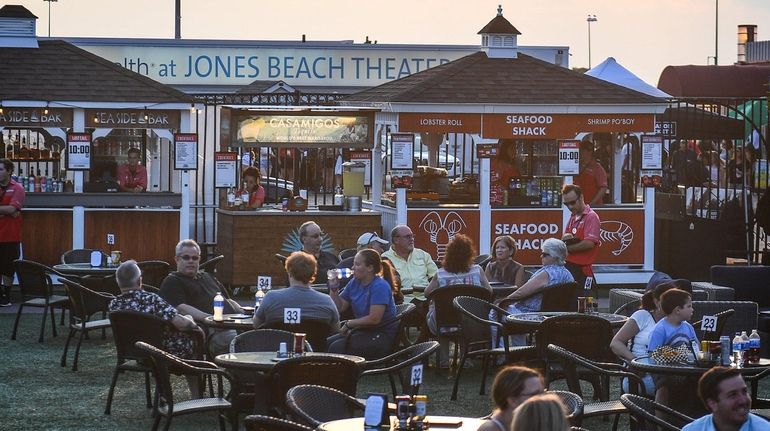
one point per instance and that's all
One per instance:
(78, 151)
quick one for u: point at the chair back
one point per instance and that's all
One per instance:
(560, 297)
(154, 271)
(348, 252)
(574, 404)
(583, 334)
(280, 258)
(330, 371)
(315, 404)
(80, 255)
(210, 265)
(269, 423)
(129, 326)
(316, 331)
(482, 260)
(447, 316)
(474, 318)
(260, 340)
(629, 307)
(722, 318)
(745, 316)
(649, 413)
(34, 280)
(607, 369)
(84, 302)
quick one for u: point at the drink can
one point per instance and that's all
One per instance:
(299, 343)
(402, 410)
(282, 353)
(581, 304)
(715, 349)
(420, 411)
(704, 346)
(589, 304)
(724, 341)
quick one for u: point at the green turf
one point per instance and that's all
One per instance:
(37, 393)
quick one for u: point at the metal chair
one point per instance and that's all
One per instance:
(314, 404)
(648, 413)
(280, 258)
(269, 423)
(37, 291)
(210, 265)
(476, 336)
(80, 255)
(602, 408)
(348, 252)
(629, 307)
(162, 363)
(154, 271)
(84, 304)
(393, 364)
(560, 297)
(402, 311)
(482, 260)
(574, 404)
(316, 331)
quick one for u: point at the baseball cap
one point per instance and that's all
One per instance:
(368, 237)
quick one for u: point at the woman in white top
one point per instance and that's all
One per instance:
(631, 340)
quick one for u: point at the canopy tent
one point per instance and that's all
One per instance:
(611, 71)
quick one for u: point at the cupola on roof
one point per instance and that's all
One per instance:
(17, 27)
(498, 37)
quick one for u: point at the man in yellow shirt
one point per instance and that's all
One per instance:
(415, 266)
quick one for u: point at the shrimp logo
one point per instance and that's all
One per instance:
(616, 232)
(442, 231)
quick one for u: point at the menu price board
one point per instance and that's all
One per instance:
(78, 151)
(402, 151)
(569, 157)
(486, 151)
(652, 152)
(365, 157)
(185, 151)
(225, 165)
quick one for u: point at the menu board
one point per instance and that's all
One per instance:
(652, 152)
(78, 151)
(185, 151)
(569, 157)
(224, 169)
(402, 150)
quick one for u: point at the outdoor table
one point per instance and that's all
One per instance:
(436, 423)
(534, 319)
(499, 289)
(264, 361)
(82, 269)
(239, 322)
(323, 288)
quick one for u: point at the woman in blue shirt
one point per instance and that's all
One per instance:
(369, 297)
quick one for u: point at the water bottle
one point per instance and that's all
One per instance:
(339, 273)
(744, 347)
(754, 347)
(737, 347)
(219, 307)
(258, 295)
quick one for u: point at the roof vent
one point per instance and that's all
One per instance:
(498, 37)
(17, 27)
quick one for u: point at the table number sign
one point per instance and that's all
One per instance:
(416, 375)
(292, 316)
(264, 282)
(708, 324)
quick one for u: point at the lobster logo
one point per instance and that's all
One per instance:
(442, 231)
(616, 232)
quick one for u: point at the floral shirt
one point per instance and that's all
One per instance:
(175, 342)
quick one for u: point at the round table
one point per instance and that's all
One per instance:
(499, 289)
(264, 361)
(239, 322)
(82, 269)
(691, 369)
(436, 423)
(538, 317)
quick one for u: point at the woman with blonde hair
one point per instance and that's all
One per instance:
(540, 413)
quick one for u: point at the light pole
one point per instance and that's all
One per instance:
(590, 19)
(716, 35)
(49, 15)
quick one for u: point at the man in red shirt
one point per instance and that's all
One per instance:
(11, 202)
(581, 234)
(592, 178)
(132, 177)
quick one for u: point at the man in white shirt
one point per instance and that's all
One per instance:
(724, 393)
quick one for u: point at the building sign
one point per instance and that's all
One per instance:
(185, 151)
(439, 123)
(569, 157)
(555, 126)
(665, 128)
(225, 166)
(528, 228)
(133, 118)
(433, 229)
(35, 117)
(312, 130)
(622, 236)
(78, 151)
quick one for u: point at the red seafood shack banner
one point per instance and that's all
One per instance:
(622, 231)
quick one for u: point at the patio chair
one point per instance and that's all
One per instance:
(269, 423)
(348, 252)
(476, 337)
(482, 260)
(210, 265)
(602, 408)
(84, 304)
(574, 404)
(280, 258)
(316, 331)
(393, 364)
(154, 271)
(80, 255)
(649, 414)
(37, 291)
(628, 308)
(314, 405)
(330, 371)
(162, 364)
(108, 284)
(722, 318)
(560, 297)
(448, 320)
(402, 311)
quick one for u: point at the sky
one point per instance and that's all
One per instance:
(644, 36)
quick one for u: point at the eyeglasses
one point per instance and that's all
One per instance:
(189, 257)
(316, 235)
(410, 236)
(570, 203)
(530, 394)
(544, 254)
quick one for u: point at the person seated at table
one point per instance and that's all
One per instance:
(457, 268)
(255, 191)
(541, 413)
(724, 393)
(414, 266)
(365, 240)
(503, 268)
(176, 337)
(311, 237)
(529, 297)
(369, 297)
(132, 177)
(301, 269)
(631, 340)
(390, 275)
(673, 330)
(512, 386)
(192, 292)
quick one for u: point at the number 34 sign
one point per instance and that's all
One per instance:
(78, 151)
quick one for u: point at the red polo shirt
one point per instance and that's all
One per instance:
(585, 226)
(10, 227)
(592, 177)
